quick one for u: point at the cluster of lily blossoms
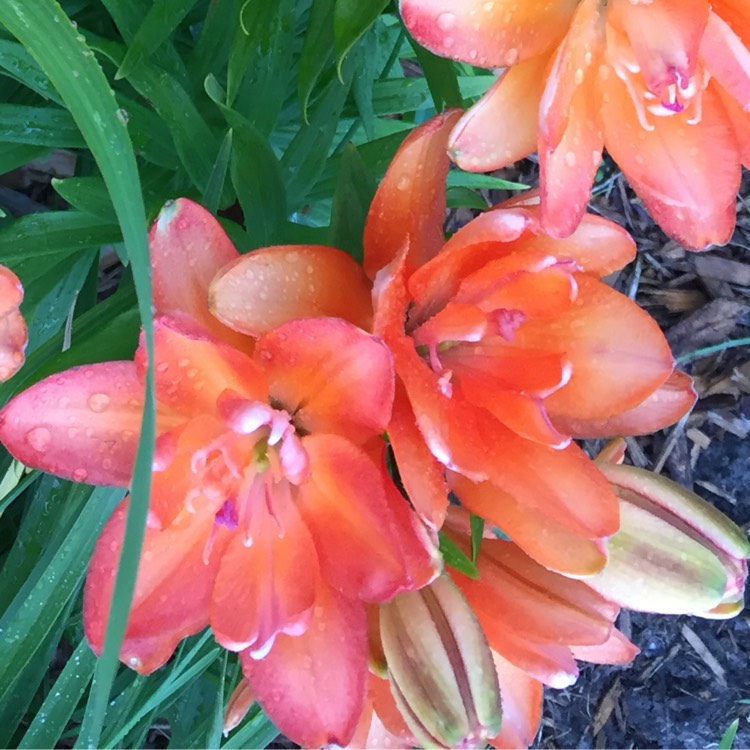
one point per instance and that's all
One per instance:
(320, 424)
(663, 85)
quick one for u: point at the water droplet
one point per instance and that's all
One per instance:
(123, 116)
(570, 159)
(39, 438)
(98, 402)
(80, 475)
(446, 21)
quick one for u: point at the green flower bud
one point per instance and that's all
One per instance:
(674, 553)
(440, 667)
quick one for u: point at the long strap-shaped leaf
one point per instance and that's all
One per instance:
(50, 37)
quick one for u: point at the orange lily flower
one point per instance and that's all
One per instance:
(664, 85)
(271, 517)
(507, 344)
(13, 332)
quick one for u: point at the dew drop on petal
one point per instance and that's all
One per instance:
(39, 438)
(446, 21)
(98, 402)
(80, 475)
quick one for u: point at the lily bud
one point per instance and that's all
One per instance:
(239, 704)
(674, 553)
(440, 667)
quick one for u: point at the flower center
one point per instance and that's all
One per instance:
(683, 95)
(246, 474)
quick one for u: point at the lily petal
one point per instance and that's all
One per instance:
(188, 246)
(564, 485)
(422, 475)
(666, 36)
(192, 370)
(543, 607)
(727, 59)
(740, 121)
(13, 332)
(81, 424)
(172, 592)
(665, 406)
(598, 245)
(409, 206)
(267, 588)
(345, 508)
(329, 660)
(485, 138)
(618, 354)
(686, 174)
(737, 14)
(13, 339)
(274, 285)
(522, 706)
(550, 664)
(570, 133)
(487, 34)
(333, 377)
(617, 649)
(547, 542)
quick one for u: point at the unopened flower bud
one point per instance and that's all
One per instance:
(239, 704)
(674, 553)
(440, 667)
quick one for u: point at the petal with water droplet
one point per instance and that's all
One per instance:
(312, 686)
(488, 33)
(274, 285)
(332, 376)
(52, 426)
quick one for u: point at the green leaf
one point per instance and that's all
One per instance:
(39, 126)
(257, 179)
(19, 64)
(477, 531)
(56, 233)
(51, 719)
(354, 192)
(162, 18)
(459, 178)
(87, 194)
(49, 299)
(440, 73)
(460, 197)
(256, 730)
(351, 19)
(194, 140)
(62, 53)
(317, 50)
(212, 50)
(727, 739)
(256, 175)
(215, 186)
(33, 613)
(454, 557)
(306, 155)
(260, 62)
